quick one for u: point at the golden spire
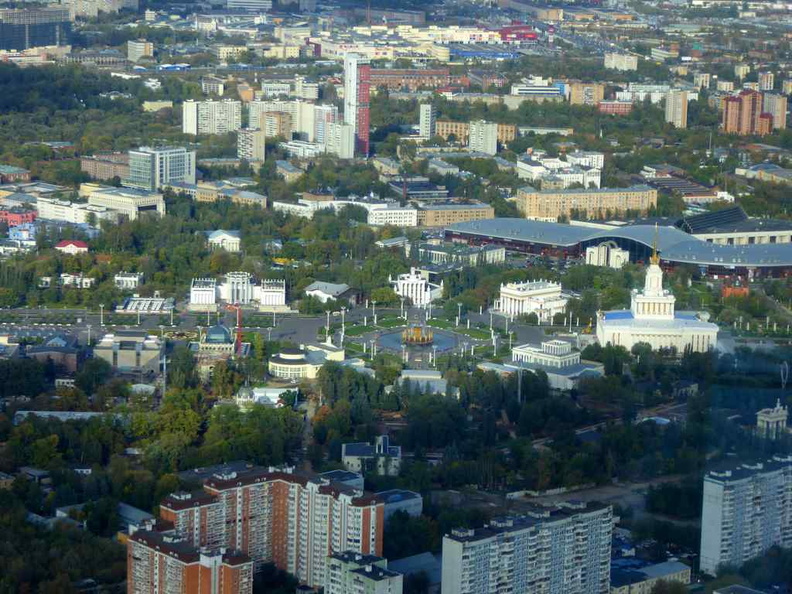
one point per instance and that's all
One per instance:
(655, 259)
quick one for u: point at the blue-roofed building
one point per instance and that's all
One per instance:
(381, 458)
(397, 500)
(642, 580)
(563, 366)
(652, 319)
(674, 246)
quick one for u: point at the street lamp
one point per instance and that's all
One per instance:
(459, 313)
(89, 335)
(162, 331)
(374, 311)
(101, 314)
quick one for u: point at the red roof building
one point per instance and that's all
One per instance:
(72, 246)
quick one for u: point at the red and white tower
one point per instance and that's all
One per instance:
(357, 87)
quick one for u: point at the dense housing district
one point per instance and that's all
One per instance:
(395, 298)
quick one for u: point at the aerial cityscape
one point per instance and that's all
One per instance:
(379, 297)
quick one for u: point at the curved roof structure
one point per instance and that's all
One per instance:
(673, 244)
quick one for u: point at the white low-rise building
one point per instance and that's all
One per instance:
(607, 254)
(558, 360)
(652, 319)
(128, 281)
(272, 295)
(381, 458)
(416, 288)
(395, 215)
(221, 239)
(543, 298)
(203, 294)
(325, 292)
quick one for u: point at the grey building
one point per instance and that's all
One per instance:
(564, 550)
(746, 510)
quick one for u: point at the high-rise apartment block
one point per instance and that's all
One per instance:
(776, 106)
(341, 140)
(211, 117)
(427, 120)
(746, 510)
(159, 562)
(324, 116)
(279, 516)
(251, 145)
(353, 573)
(742, 70)
(586, 93)
(624, 62)
(701, 80)
(483, 137)
(26, 28)
(357, 86)
(766, 81)
(565, 550)
(676, 108)
(140, 48)
(277, 123)
(741, 114)
(151, 168)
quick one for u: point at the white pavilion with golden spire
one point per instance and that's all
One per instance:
(653, 319)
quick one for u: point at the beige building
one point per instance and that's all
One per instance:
(251, 145)
(776, 106)
(106, 165)
(581, 93)
(131, 351)
(128, 202)
(442, 215)
(461, 131)
(549, 205)
(137, 49)
(676, 108)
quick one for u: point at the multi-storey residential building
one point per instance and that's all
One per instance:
(461, 131)
(324, 117)
(701, 80)
(776, 106)
(106, 165)
(581, 93)
(623, 62)
(549, 205)
(398, 216)
(565, 550)
(211, 85)
(427, 121)
(483, 137)
(277, 123)
(353, 573)
(357, 83)
(341, 140)
(766, 81)
(211, 117)
(741, 113)
(139, 48)
(615, 107)
(444, 214)
(301, 112)
(741, 70)
(152, 168)
(159, 562)
(251, 144)
(747, 509)
(676, 108)
(410, 80)
(279, 516)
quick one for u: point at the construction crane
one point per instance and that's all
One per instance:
(238, 335)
